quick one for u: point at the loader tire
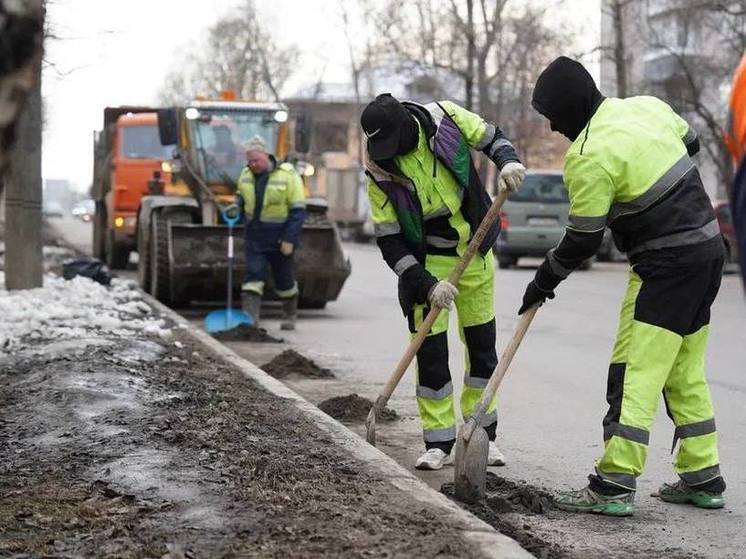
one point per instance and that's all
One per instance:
(160, 259)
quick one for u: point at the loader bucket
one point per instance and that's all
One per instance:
(199, 267)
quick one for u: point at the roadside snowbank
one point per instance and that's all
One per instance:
(70, 309)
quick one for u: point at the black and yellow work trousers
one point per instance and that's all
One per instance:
(660, 348)
(476, 316)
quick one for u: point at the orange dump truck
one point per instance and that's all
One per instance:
(127, 151)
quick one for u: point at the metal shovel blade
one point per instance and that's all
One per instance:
(226, 319)
(470, 476)
(370, 421)
(370, 426)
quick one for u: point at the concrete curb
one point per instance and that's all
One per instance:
(481, 535)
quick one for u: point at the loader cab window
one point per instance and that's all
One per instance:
(220, 136)
(142, 142)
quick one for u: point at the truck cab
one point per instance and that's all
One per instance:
(127, 153)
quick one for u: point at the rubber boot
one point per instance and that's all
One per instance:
(289, 311)
(251, 304)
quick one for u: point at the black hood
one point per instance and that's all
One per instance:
(566, 94)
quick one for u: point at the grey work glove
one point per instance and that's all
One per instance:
(511, 177)
(443, 294)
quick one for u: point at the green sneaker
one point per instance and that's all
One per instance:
(682, 494)
(587, 500)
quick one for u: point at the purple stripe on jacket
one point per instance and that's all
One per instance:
(400, 197)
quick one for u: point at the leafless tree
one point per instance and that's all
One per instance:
(21, 33)
(21, 50)
(496, 47)
(710, 42)
(239, 54)
(357, 62)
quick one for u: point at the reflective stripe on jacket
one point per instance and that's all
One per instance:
(283, 204)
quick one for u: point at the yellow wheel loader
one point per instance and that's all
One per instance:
(181, 240)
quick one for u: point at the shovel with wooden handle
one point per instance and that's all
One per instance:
(472, 444)
(388, 389)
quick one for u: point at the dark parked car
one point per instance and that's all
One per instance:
(534, 218)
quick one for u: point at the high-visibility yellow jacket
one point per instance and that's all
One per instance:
(282, 210)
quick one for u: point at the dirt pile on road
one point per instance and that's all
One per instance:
(507, 496)
(290, 362)
(504, 497)
(353, 408)
(245, 333)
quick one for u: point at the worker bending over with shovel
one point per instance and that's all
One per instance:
(426, 203)
(629, 167)
(274, 206)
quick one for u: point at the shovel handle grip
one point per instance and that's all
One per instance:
(502, 367)
(492, 214)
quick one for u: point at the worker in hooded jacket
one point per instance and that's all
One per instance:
(426, 203)
(629, 167)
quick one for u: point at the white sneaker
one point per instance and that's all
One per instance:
(433, 459)
(495, 457)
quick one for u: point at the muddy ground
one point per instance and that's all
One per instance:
(140, 447)
(503, 497)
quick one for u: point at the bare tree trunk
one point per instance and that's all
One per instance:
(620, 53)
(23, 222)
(470, 52)
(21, 29)
(355, 68)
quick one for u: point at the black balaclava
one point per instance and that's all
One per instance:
(409, 136)
(566, 94)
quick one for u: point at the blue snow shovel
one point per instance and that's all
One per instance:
(228, 318)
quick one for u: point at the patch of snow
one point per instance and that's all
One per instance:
(75, 309)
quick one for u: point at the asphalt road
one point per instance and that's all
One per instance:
(551, 402)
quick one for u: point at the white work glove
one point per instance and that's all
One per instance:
(511, 177)
(442, 294)
(286, 248)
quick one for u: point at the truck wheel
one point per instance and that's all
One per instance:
(143, 262)
(160, 268)
(99, 231)
(117, 256)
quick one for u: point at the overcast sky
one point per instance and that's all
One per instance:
(116, 52)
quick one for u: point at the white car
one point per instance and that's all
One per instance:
(84, 210)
